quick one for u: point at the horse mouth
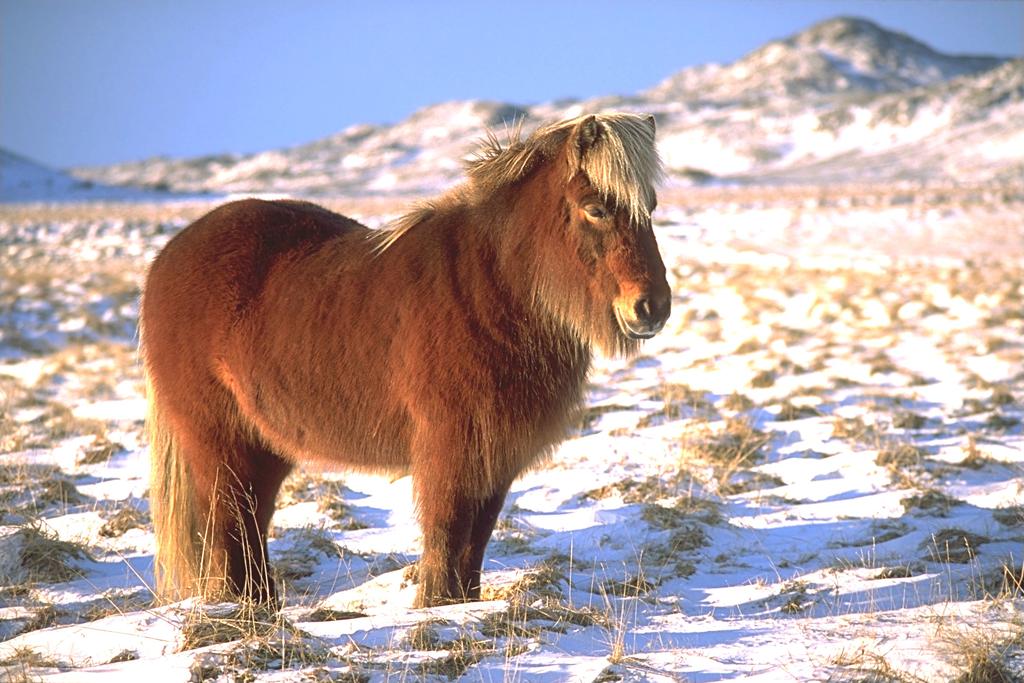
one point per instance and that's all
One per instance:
(635, 331)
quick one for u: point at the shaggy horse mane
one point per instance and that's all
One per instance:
(622, 164)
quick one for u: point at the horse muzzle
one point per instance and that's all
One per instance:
(644, 316)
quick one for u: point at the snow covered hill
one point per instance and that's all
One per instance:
(844, 101)
(27, 181)
(843, 55)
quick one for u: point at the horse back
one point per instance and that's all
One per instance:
(226, 254)
(209, 275)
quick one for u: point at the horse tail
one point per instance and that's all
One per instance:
(178, 559)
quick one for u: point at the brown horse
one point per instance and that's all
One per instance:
(453, 347)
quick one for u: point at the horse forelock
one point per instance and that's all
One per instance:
(623, 163)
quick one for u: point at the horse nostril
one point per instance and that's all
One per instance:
(643, 309)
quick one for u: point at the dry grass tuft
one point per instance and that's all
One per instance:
(731, 448)
(591, 414)
(881, 364)
(564, 614)
(631, 490)
(986, 669)
(1002, 396)
(119, 602)
(128, 517)
(974, 458)
(44, 617)
(677, 401)
(789, 411)
(463, 653)
(930, 501)
(854, 429)
(737, 444)
(899, 572)
(795, 597)
(1000, 423)
(99, 451)
(328, 493)
(512, 622)
(737, 402)
(685, 509)
(423, 636)
(744, 482)
(26, 489)
(1005, 581)
(1009, 516)
(906, 419)
(546, 580)
(900, 457)
(868, 667)
(953, 546)
(210, 625)
(330, 499)
(283, 650)
(629, 587)
(987, 658)
(263, 639)
(44, 558)
(19, 666)
(329, 614)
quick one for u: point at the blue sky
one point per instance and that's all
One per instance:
(99, 81)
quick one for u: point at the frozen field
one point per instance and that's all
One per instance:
(814, 473)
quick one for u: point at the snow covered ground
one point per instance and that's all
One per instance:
(814, 473)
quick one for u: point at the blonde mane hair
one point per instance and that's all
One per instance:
(621, 162)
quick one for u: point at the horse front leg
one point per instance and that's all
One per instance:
(471, 562)
(446, 521)
(445, 486)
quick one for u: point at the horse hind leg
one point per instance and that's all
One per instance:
(237, 521)
(212, 496)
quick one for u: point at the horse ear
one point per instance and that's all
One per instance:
(586, 134)
(651, 123)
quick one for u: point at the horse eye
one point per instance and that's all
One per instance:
(596, 211)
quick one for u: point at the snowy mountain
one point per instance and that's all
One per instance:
(24, 180)
(420, 154)
(843, 55)
(844, 101)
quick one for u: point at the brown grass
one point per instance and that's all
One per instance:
(899, 457)
(789, 411)
(99, 451)
(733, 447)
(126, 518)
(20, 665)
(989, 656)
(546, 580)
(931, 501)
(205, 626)
(47, 559)
(862, 666)
(685, 509)
(854, 429)
(1012, 515)
(953, 546)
